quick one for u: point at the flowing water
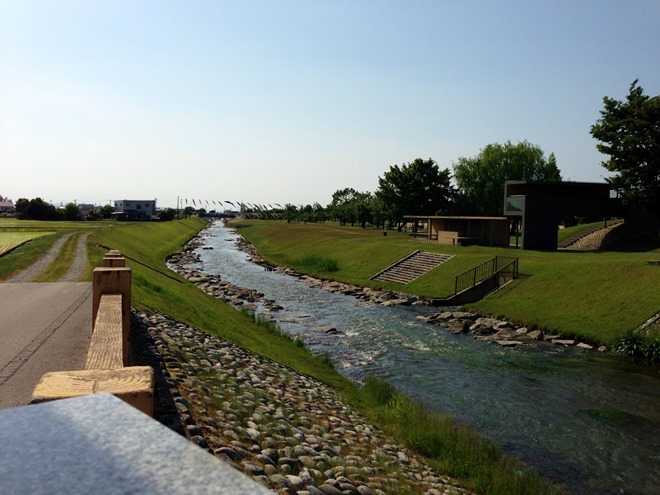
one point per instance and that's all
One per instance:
(588, 421)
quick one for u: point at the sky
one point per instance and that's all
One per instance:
(288, 101)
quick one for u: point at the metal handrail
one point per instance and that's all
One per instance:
(503, 265)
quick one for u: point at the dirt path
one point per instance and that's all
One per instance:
(79, 266)
(75, 272)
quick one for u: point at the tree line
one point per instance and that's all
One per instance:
(474, 187)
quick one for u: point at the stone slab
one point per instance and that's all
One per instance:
(100, 444)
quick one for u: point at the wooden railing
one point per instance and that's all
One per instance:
(107, 367)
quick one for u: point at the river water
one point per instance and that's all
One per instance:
(588, 421)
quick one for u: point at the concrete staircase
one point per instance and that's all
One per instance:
(411, 267)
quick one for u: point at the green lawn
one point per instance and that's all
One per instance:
(597, 296)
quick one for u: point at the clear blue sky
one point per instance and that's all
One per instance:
(287, 101)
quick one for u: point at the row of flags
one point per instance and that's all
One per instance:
(238, 204)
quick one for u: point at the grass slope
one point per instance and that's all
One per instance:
(450, 448)
(597, 296)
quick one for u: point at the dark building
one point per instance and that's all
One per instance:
(541, 206)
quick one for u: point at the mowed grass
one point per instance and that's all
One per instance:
(450, 448)
(11, 240)
(596, 296)
(147, 246)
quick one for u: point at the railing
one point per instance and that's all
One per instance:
(107, 367)
(505, 267)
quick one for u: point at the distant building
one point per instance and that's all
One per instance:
(135, 209)
(7, 207)
(540, 207)
(86, 209)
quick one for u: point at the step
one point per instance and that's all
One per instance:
(411, 267)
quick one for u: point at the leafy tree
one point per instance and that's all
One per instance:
(167, 214)
(417, 188)
(187, 212)
(290, 212)
(22, 208)
(318, 213)
(36, 209)
(350, 206)
(106, 211)
(629, 132)
(480, 179)
(72, 211)
(342, 206)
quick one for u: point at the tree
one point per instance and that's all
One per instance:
(167, 214)
(291, 212)
(72, 211)
(187, 212)
(22, 208)
(106, 211)
(417, 188)
(342, 206)
(480, 179)
(629, 132)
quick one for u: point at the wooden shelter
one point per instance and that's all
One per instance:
(485, 231)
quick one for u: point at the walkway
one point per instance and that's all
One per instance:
(43, 326)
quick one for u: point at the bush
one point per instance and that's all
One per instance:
(636, 345)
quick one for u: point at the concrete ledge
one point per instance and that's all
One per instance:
(98, 444)
(133, 385)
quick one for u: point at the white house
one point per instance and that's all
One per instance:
(7, 207)
(135, 209)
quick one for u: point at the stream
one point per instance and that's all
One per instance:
(588, 421)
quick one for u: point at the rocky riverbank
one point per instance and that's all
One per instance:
(288, 431)
(482, 327)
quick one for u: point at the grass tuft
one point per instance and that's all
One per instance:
(316, 264)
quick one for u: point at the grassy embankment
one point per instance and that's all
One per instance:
(595, 296)
(450, 448)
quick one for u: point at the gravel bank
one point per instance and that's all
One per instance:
(288, 431)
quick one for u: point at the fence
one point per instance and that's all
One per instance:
(107, 367)
(501, 269)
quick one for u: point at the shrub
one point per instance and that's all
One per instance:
(315, 263)
(634, 344)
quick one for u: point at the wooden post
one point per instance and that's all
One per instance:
(113, 281)
(113, 258)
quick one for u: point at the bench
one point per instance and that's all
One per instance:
(448, 237)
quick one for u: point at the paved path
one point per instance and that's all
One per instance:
(43, 326)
